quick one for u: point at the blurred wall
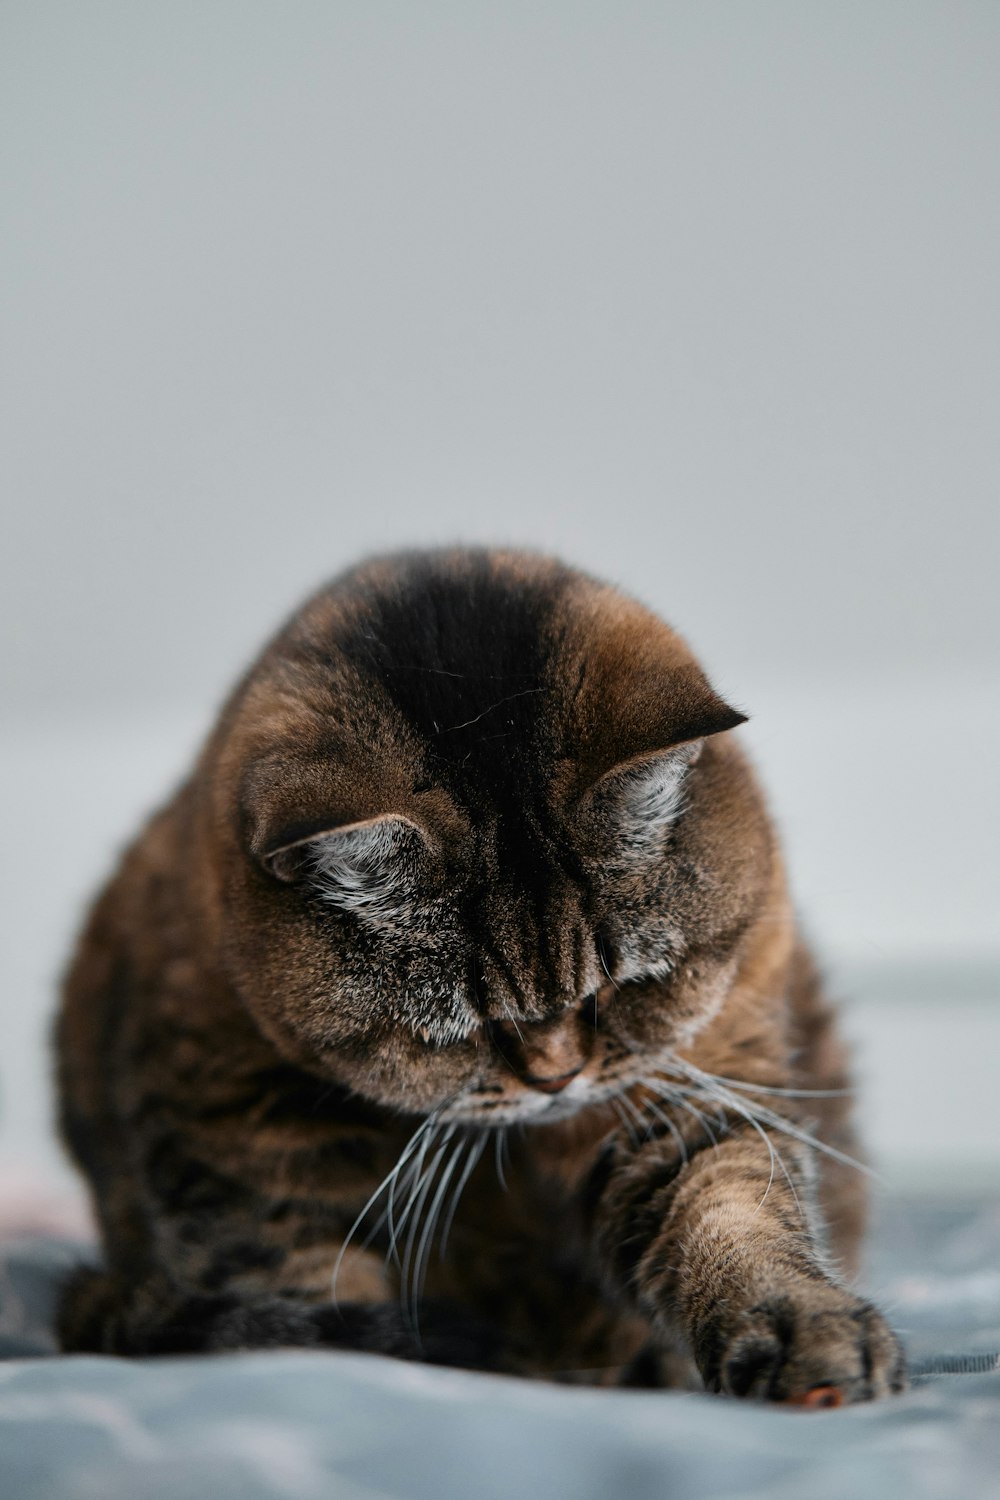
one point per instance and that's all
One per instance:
(703, 296)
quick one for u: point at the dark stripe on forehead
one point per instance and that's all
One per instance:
(463, 649)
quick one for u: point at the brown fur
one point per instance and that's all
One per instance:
(472, 848)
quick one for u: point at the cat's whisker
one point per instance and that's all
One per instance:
(604, 964)
(411, 1180)
(740, 1108)
(758, 1118)
(403, 1181)
(420, 1196)
(718, 1115)
(636, 1113)
(806, 1138)
(501, 1143)
(766, 1088)
(683, 1099)
(419, 1177)
(615, 990)
(476, 1147)
(615, 1102)
(771, 1117)
(771, 1156)
(513, 1021)
(748, 1115)
(524, 693)
(427, 1237)
(403, 1176)
(387, 1182)
(679, 1140)
(775, 1156)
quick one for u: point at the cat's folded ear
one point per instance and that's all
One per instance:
(642, 726)
(306, 821)
(367, 867)
(633, 708)
(639, 799)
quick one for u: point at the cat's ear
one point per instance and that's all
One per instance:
(642, 695)
(316, 822)
(368, 867)
(641, 798)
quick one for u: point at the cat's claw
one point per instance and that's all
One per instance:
(815, 1347)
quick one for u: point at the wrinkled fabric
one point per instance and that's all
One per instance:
(300, 1425)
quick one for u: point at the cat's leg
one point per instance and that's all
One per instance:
(247, 1251)
(728, 1247)
(103, 1313)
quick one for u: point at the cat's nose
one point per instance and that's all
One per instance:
(545, 1055)
(551, 1085)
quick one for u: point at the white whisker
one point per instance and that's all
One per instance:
(501, 1142)
(724, 1095)
(513, 1021)
(387, 1182)
(420, 1195)
(476, 1149)
(426, 1239)
(666, 1120)
(775, 1155)
(636, 1114)
(767, 1088)
(615, 1102)
(741, 1108)
(683, 1098)
(604, 964)
(412, 1179)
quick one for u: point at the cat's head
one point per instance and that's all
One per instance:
(479, 840)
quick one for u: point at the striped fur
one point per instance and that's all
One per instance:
(454, 1008)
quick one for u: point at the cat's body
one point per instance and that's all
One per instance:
(467, 947)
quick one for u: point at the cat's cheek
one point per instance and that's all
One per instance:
(667, 1009)
(398, 1070)
(391, 1077)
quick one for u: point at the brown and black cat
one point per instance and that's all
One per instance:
(454, 1008)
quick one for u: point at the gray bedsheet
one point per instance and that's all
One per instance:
(325, 1424)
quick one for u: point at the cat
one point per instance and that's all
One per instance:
(454, 1008)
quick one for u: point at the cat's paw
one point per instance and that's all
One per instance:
(811, 1345)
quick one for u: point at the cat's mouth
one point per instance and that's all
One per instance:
(530, 1107)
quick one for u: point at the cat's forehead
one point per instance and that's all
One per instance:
(440, 631)
(474, 669)
(464, 649)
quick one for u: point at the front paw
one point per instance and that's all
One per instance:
(811, 1344)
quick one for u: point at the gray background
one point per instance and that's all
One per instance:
(702, 296)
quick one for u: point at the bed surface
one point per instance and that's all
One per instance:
(304, 1425)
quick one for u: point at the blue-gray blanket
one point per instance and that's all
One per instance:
(355, 1427)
